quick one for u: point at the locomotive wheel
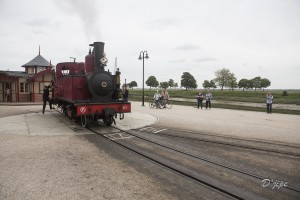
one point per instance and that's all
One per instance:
(85, 121)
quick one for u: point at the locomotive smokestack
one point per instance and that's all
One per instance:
(98, 56)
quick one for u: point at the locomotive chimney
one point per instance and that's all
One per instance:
(99, 58)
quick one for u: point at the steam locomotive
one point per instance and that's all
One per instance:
(86, 92)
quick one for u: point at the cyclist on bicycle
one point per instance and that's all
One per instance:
(165, 97)
(157, 98)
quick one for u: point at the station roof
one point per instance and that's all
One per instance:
(38, 61)
(16, 73)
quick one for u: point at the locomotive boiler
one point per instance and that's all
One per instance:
(87, 92)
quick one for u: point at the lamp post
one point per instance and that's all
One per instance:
(142, 57)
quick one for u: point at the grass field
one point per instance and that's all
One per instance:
(238, 96)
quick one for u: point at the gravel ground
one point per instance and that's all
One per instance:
(66, 166)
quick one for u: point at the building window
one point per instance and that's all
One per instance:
(39, 69)
(30, 70)
(42, 86)
(24, 87)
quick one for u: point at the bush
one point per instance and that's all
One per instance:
(284, 93)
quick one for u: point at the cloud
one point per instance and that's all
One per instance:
(205, 59)
(187, 47)
(261, 69)
(161, 24)
(178, 61)
(39, 22)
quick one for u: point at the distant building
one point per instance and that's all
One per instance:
(27, 86)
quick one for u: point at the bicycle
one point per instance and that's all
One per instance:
(160, 104)
(155, 104)
(166, 103)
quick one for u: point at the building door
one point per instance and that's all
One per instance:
(1, 91)
(6, 85)
(13, 91)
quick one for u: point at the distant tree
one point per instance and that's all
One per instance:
(212, 84)
(264, 83)
(171, 83)
(175, 85)
(256, 82)
(188, 81)
(284, 93)
(209, 84)
(231, 82)
(164, 85)
(250, 84)
(222, 77)
(152, 82)
(243, 83)
(206, 84)
(132, 84)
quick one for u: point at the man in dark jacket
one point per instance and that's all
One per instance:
(46, 98)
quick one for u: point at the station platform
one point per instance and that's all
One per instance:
(54, 123)
(251, 125)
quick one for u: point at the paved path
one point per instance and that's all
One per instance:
(243, 124)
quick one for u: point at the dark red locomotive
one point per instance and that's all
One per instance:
(85, 91)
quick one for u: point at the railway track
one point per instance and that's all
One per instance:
(267, 146)
(204, 171)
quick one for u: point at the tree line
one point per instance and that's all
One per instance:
(223, 78)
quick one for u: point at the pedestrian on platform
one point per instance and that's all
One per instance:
(165, 96)
(157, 98)
(200, 99)
(208, 98)
(269, 102)
(46, 98)
(7, 93)
(125, 94)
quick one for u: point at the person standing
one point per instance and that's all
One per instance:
(200, 99)
(157, 98)
(208, 98)
(7, 93)
(46, 98)
(269, 102)
(165, 97)
(125, 94)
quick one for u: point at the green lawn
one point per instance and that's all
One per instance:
(258, 96)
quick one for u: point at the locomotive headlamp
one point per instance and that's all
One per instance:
(65, 70)
(104, 84)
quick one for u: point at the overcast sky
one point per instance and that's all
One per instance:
(249, 37)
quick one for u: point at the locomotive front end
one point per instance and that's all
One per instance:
(100, 82)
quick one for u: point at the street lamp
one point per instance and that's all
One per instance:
(142, 57)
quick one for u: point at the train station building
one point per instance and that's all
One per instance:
(27, 85)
